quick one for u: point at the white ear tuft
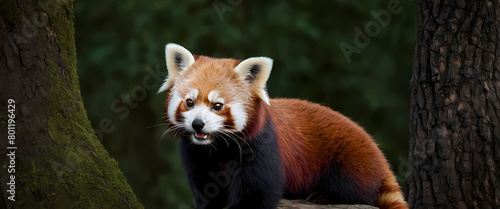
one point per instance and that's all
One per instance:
(255, 71)
(263, 95)
(178, 59)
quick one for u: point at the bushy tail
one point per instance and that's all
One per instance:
(390, 195)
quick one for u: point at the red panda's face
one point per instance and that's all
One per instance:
(211, 98)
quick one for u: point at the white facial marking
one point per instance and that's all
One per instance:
(192, 94)
(213, 122)
(172, 106)
(213, 97)
(239, 114)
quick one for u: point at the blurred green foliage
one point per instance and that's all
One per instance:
(117, 41)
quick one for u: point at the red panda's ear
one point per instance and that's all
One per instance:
(178, 59)
(255, 71)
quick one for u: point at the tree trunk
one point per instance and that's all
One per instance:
(455, 109)
(55, 159)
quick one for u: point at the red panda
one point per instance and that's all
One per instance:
(241, 149)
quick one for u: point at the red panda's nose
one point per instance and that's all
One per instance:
(198, 125)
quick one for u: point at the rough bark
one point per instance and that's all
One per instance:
(59, 162)
(455, 109)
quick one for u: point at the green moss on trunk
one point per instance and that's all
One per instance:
(61, 162)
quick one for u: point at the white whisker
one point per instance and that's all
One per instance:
(228, 134)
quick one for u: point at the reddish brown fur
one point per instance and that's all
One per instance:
(310, 137)
(390, 194)
(257, 117)
(214, 75)
(208, 74)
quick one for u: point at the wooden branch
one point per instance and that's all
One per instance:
(302, 204)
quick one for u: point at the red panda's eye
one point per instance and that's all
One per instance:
(189, 102)
(217, 106)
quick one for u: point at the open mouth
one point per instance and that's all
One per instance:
(201, 136)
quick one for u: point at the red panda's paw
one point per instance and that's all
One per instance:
(318, 198)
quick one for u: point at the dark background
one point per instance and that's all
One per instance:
(119, 44)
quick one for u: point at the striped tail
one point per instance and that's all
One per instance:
(390, 195)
